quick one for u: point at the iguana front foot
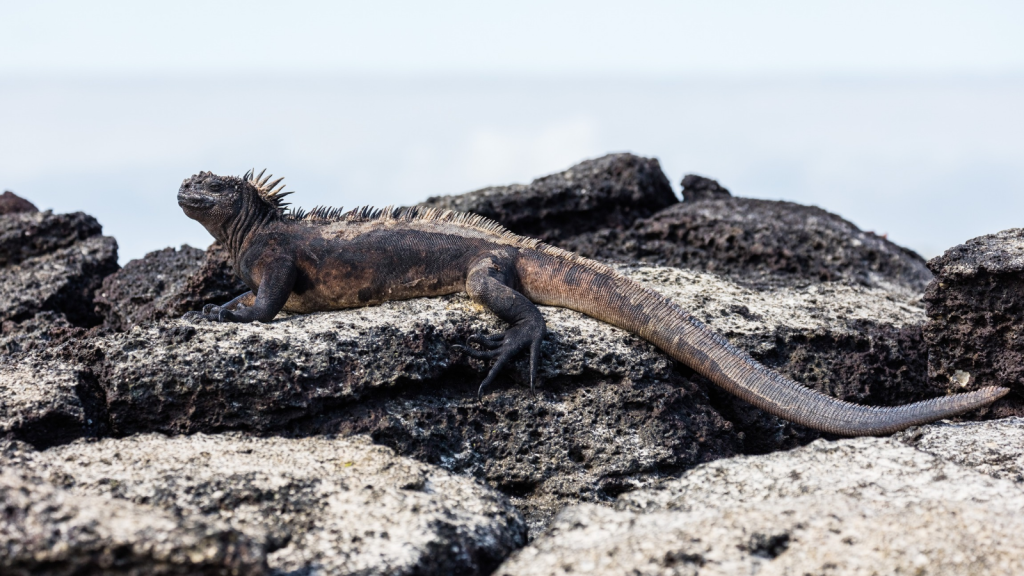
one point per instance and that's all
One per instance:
(223, 313)
(212, 313)
(504, 347)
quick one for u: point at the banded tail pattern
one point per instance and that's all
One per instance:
(606, 295)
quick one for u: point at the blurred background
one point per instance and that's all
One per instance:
(905, 117)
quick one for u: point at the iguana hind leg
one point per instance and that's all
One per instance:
(490, 282)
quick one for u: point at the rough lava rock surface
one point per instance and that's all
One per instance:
(857, 506)
(613, 412)
(27, 234)
(757, 242)
(47, 531)
(993, 447)
(140, 291)
(11, 203)
(607, 192)
(975, 307)
(51, 262)
(312, 506)
(700, 188)
(166, 284)
(45, 404)
(46, 328)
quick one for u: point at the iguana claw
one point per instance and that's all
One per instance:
(504, 347)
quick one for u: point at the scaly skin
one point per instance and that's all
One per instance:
(326, 260)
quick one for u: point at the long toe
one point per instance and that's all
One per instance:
(498, 365)
(481, 354)
(534, 364)
(488, 342)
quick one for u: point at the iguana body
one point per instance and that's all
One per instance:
(326, 260)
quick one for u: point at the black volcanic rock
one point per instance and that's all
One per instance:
(856, 506)
(137, 439)
(975, 328)
(607, 192)
(11, 203)
(697, 188)
(759, 242)
(52, 262)
(167, 283)
(28, 234)
(44, 404)
(46, 328)
(139, 291)
(214, 282)
(46, 530)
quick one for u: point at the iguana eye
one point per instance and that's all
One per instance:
(215, 186)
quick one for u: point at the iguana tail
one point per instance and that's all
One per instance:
(553, 277)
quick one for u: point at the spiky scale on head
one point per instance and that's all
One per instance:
(271, 192)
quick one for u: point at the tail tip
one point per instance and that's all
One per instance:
(992, 393)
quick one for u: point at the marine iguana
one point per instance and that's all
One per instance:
(327, 259)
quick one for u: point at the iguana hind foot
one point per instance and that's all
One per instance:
(506, 346)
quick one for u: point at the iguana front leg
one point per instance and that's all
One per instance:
(242, 300)
(489, 283)
(274, 290)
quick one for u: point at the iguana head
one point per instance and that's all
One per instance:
(217, 202)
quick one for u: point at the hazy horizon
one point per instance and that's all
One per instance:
(931, 162)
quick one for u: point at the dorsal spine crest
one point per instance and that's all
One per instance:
(328, 215)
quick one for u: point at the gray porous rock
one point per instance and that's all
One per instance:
(64, 281)
(314, 505)
(214, 282)
(46, 404)
(993, 447)
(696, 188)
(612, 413)
(608, 192)
(142, 290)
(975, 307)
(11, 203)
(51, 262)
(27, 234)
(852, 507)
(48, 531)
(757, 242)
(166, 284)
(46, 328)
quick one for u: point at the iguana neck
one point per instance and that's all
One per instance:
(251, 218)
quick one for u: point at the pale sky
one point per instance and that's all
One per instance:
(905, 117)
(654, 38)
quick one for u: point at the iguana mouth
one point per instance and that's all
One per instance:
(192, 200)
